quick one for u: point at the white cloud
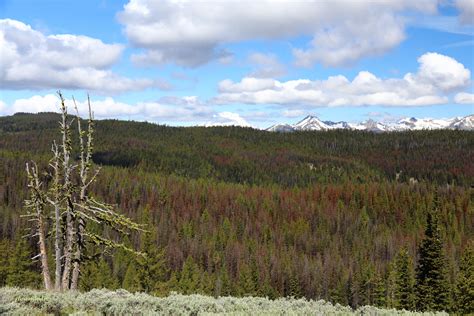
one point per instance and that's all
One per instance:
(351, 40)
(3, 107)
(464, 98)
(437, 75)
(32, 60)
(182, 109)
(466, 7)
(443, 72)
(228, 119)
(293, 113)
(268, 66)
(193, 33)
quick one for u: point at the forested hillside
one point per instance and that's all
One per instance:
(238, 211)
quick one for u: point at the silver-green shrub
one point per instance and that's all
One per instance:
(15, 301)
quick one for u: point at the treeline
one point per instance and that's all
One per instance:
(244, 155)
(355, 238)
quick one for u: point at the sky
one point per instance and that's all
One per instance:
(250, 63)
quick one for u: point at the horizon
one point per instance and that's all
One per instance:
(267, 128)
(178, 65)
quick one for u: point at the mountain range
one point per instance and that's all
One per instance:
(313, 123)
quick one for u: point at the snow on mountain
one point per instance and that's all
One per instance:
(312, 123)
(427, 123)
(465, 123)
(281, 128)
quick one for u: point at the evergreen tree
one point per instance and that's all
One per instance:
(131, 281)
(432, 290)
(223, 286)
(246, 285)
(88, 276)
(378, 293)
(404, 281)
(190, 276)
(20, 267)
(4, 258)
(267, 290)
(151, 266)
(465, 283)
(104, 277)
(294, 288)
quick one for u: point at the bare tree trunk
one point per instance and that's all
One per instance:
(57, 248)
(77, 262)
(37, 201)
(67, 169)
(66, 279)
(85, 156)
(56, 191)
(44, 257)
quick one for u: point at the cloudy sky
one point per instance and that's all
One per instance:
(247, 62)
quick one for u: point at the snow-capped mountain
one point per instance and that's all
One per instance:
(464, 123)
(312, 123)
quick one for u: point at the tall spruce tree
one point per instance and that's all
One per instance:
(404, 281)
(464, 302)
(4, 259)
(151, 265)
(432, 289)
(21, 271)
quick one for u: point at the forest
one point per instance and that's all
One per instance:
(350, 217)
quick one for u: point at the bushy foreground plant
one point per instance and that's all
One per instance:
(15, 301)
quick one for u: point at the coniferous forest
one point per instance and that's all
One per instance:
(352, 217)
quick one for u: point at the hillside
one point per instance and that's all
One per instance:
(244, 155)
(243, 212)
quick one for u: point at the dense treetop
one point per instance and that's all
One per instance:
(245, 155)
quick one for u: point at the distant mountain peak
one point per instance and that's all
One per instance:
(313, 123)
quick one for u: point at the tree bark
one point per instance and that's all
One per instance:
(57, 248)
(44, 257)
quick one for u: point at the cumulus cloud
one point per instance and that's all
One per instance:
(464, 98)
(351, 40)
(33, 60)
(180, 109)
(193, 33)
(228, 119)
(466, 8)
(437, 76)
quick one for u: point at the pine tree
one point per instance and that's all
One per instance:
(189, 279)
(88, 276)
(404, 281)
(223, 286)
(431, 288)
(465, 283)
(379, 293)
(294, 289)
(247, 286)
(131, 281)
(20, 267)
(104, 277)
(4, 258)
(151, 267)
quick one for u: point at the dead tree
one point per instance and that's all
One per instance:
(36, 204)
(67, 204)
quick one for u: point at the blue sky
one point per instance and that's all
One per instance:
(238, 62)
